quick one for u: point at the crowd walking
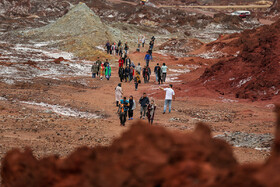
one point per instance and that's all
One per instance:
(127, 72)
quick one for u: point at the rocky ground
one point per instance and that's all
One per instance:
(145, 156)
(50, 103)
(206, 2)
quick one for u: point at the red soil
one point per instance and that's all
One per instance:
(254, 73)
(58, 60)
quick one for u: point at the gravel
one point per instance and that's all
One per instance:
(248, 140)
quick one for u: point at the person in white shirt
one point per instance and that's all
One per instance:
(143, 41)
(164, 71)
(168, 97)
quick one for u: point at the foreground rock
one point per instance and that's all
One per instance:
(145, 156)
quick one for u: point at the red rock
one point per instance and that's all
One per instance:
(254, 73)
(58, 60)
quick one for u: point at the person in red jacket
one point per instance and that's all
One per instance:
(121, 61)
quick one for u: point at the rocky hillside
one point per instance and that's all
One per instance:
(254, 73)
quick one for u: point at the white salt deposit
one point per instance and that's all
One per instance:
(65, 111)
(3, 99)
(243, 81)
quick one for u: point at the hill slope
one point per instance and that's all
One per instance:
(254, 73)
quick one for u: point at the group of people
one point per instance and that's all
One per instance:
(127, 106)
(148, 107)
(116, 48)
(160, 73)
(100, 69)
(129, 72)
(149, 55)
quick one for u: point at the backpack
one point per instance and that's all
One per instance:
(137, 79)
(121, 109)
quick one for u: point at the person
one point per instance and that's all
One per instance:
(132, 64)
(113, 49)
(149, 73)
(108, 47)
(168, 97)
(131, 108)
(123, 107)
(151, 111)
(121, 62)
(147, 58)
(101, 71)
(124, 56)
(128, 62)
(138, 69)
(145, 74)
(156, 71)
(117, 50)
(131, 74)
(143, 41)
(119, 43)
(159, 75)
(151, 44)
(94, 69)
(138, 44)
(137, 81)
(98, 62)
(108, 71)
(121, 73)
(120, 50)
(143, 101)
(164, 71)
(106, 63)
(126, 73)
(118, 94)
(150, 51)
(122, 113)
(126, 48)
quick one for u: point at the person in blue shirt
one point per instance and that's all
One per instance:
(147, 58)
